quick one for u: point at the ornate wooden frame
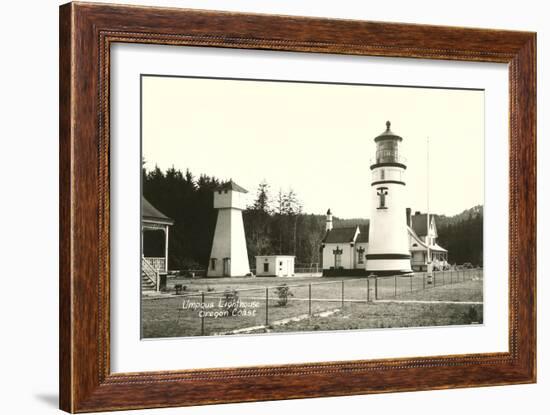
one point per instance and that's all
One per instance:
(86, 33)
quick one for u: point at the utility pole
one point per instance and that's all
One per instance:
(428, 253)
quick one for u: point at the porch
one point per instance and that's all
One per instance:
(155, 231)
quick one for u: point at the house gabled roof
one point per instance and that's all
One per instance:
(364, 233)
(419, 225)
(420, 245)
(348, 234)
(340, 235)
(152, 214)
(231, 185)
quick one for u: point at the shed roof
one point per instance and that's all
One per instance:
(151, 213)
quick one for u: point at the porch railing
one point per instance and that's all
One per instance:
(158, 263)
(150, 272)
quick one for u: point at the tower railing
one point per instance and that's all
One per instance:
(388, 156)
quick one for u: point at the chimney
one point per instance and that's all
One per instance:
(417, 213)
(409, 217)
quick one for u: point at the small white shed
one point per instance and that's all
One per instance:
(274, 266)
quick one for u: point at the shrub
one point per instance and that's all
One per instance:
(231, 299)
(283, 292)
(472, 316)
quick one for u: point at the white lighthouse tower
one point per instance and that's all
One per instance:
(229, 257)
(328, 222)
(388, 250)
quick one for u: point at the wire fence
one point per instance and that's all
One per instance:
(237, 310)
(299, 268)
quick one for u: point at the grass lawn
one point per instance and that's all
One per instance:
(386, 315)
(167, 316)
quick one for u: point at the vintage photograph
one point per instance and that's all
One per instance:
(276, 206)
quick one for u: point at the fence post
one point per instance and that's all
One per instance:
(411, 279)
(202, 317)
(395, 285)
(423, 281)
(342, 294)
(375, 287)
(368, 289)
(310, 299)
(267, 306)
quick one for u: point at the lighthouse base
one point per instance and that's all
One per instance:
(389, 266)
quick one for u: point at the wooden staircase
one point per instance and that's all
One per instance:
(150, 278)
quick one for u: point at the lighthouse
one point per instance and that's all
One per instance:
(388, 250)
(229, 256)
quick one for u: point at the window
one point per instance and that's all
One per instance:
(382, 192)
(382, 174)
(387, 152)
(213, 263)
(360, 255)
(337, 260)
(266, 267)
(337, 257)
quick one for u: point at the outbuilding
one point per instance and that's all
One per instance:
(274, 265)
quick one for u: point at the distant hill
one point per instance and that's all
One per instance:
(468, 214)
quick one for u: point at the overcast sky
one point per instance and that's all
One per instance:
(317, 138)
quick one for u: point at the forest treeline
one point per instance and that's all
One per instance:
(462, 236)
(274, 222)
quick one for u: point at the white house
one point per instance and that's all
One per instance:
(343, 250)
(420, 238)
(229, 256)
(274, 265)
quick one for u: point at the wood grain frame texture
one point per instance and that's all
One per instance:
(86, 33)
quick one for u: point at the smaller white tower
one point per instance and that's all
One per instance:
(328, 225)
(229, 256)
